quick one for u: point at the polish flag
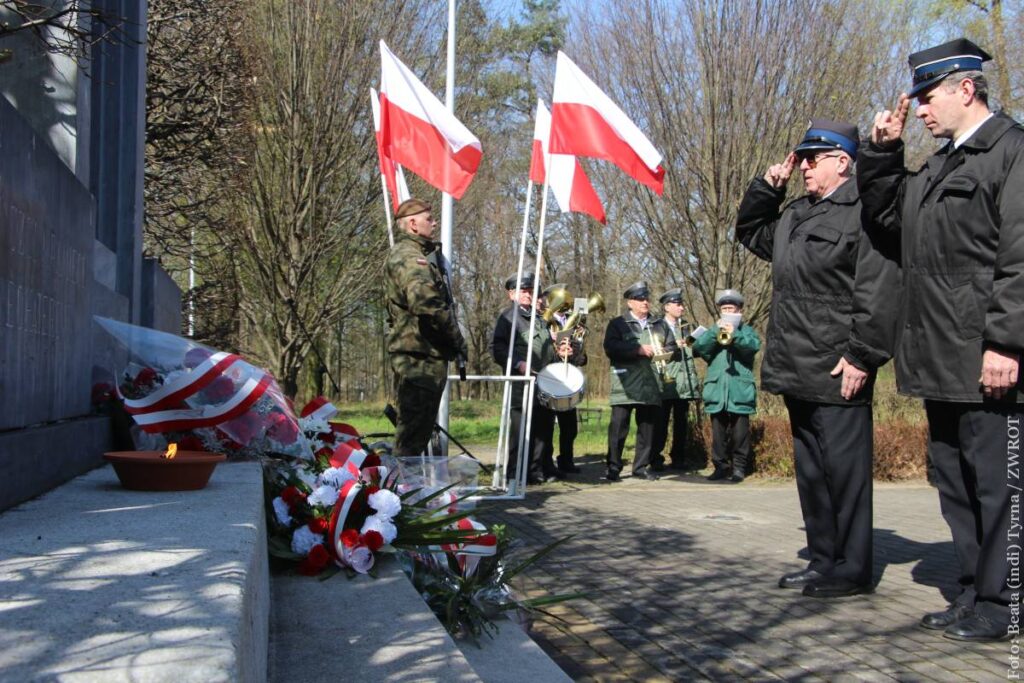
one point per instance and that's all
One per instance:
(567, 179)
(418, 131)
(394, 176)
(586, 123)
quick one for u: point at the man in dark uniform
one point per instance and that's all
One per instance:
(959, 224)
(831, 327)
(681, 385)
(630, 342)
(567, 420)
(540, 466)
(424, 334)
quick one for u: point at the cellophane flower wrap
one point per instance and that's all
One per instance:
(178, 390)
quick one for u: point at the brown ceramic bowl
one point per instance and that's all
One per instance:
(147, 471)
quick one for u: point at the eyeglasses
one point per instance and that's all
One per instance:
(813, 159)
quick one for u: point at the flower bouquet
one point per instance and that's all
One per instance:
(177, 390)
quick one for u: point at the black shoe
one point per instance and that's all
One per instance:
(554, 475)
(736, 478)
(648, 475)
(977, 629)
(939, 621)
(677, 466)
(612, 476)
(800, 579)
(535, 481)
(717, 475)
(569, 469)
(658, 467)
(835, 588)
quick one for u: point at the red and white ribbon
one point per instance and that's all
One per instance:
(345, 506)
(206, 416)
(319, 408)
(173, 393)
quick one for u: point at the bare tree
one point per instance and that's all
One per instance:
(309, 245)
(68, 27)
(724, 88)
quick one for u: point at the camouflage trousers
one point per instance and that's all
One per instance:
(419, 384)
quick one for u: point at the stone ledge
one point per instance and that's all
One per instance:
(98, 583)
(34, 460)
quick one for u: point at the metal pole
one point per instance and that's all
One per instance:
(387, 210)
(192, 281)
(446, 209)
(501, 461)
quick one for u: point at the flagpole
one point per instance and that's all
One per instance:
(387, 211)
(506, 399)
(446, 212)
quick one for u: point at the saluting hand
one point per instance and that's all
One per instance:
(778, 174)
(998, 372)
(888, 125)
(853, 378)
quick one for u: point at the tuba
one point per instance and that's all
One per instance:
(560, 301)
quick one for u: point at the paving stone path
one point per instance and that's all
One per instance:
(681, 575)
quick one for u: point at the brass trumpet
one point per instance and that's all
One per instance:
(724, 337)
(660, 365)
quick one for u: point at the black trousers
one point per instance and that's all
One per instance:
(567, 431)
(417, 415)
(730, 441)
(833, 446)
(680, 408)
(540, 463)
(976, 452)
(618, 429)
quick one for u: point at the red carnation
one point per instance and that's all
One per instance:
(145, 378)
(315, 561)
(292, 496)
(219, 390)
(350, 538)
(317, 525)
(196, 356)
(282, 428)
(373, 540)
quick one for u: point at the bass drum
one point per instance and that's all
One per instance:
(560, 387)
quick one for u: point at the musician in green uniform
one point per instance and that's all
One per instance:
(681, 385)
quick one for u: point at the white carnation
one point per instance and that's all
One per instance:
(303, 540)
(323, 495)
(337, 476)
(314, 425)
(386, 503)
(382, 526)
(281, 511)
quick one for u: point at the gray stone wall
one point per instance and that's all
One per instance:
(46, 253)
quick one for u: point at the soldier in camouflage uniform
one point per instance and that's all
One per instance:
(424, 334)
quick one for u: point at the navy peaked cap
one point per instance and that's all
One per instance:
(823, 134)
(930, 66)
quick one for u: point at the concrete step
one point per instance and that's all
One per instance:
(98, 583)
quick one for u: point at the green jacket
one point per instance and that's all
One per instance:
(687, 382)
(634, 379)
(422, 323)
(729, 382)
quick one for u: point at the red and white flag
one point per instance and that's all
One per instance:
(418, 132)
(394, 176)
(586, 123)
(566, 177)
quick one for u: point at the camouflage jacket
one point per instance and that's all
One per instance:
(422, 322)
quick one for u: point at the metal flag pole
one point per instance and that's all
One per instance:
(387, 210)
(528, 394)
(501, 459)
(446, 211)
